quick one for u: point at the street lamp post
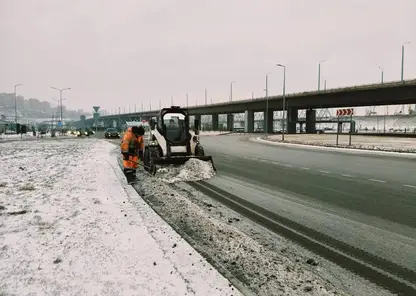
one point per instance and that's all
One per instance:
(267, 105)
(382, 75)
(231, 95)
(15, 103)
(403, 60)
(60, 97)
(319, 74)
(284, 98)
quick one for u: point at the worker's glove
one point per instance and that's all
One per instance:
(141, 155)
(126, 156)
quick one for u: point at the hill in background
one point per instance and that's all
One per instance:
(33, 110)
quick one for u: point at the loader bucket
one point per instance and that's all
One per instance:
(179, 160)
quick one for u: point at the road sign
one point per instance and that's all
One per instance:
(59, 123)
(82, 117)
(345, 112)
(96, 108)
(96, 115)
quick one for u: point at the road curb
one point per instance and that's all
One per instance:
(340, 150)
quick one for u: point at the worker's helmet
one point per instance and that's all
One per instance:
(138, 130)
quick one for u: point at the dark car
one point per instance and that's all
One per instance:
(111, 133)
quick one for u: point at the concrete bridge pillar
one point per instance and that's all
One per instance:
(198, 117)
(268, 121)
(292, 118)
(215, 122)
(311, 121)
(249, 121)
(230, 122)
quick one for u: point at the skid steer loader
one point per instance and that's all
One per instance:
(170, 140)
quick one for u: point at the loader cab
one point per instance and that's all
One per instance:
(173, 124)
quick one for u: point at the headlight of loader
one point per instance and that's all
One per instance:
(153, 143)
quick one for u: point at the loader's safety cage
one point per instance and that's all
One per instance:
(173, 124)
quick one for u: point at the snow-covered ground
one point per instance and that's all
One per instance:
(70, 225)
(392, 144)
(213, 231)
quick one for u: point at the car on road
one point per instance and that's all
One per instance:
(111, 133)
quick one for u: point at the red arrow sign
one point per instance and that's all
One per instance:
(345, 112)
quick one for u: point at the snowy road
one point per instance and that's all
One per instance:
(69, 225)
(365, 201)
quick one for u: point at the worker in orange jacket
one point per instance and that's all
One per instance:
(132, 146)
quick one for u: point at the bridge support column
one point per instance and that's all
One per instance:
(311, 121)
(215, 122)
(197, 117)
(268, 121)
(249, 121)
(230, 122)
(292, 118)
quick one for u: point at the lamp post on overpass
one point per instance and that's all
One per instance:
(231, 94)
(403, 60)
(382, 74)
(319, 74)
(284, 99)
(266, 117)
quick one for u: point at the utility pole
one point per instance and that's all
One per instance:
(284, 98)
(15, 104)
(60, 100)
(267, 106)
(402, 76)
(231, 95)
(382, 75)
(186, 100)
(319, 74)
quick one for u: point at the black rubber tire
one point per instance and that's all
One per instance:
(146, 158)
(199, 150)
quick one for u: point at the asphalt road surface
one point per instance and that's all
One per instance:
(366, 201)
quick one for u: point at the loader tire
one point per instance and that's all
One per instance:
(199, 150)
(146, 158)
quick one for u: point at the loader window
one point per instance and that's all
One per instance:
(175, 127)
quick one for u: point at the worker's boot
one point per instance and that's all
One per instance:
(129, 175)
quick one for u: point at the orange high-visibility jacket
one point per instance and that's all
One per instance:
(132, 145)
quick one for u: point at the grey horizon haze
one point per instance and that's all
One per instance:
(121, 53)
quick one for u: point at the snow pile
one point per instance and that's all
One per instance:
(262, 270)
(193, 170)
(385, 147)
(14, 136)
(68, 227)
(212, 133)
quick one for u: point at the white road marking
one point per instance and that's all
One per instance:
(325, 172)
(375, 180)
(346, 175)
(288, 165)
(410, 186)
(303, 168)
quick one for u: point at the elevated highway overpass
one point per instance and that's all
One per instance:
(393, 93)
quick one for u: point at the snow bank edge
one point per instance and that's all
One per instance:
(340, 150)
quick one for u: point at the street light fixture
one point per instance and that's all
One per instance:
(267, 105)
(319, 74)
(60, 98)
(15, 103)
(382, 74)
(284, 99)
(408, 42)
(231, 96)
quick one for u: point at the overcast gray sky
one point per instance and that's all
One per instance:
(120, 53)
